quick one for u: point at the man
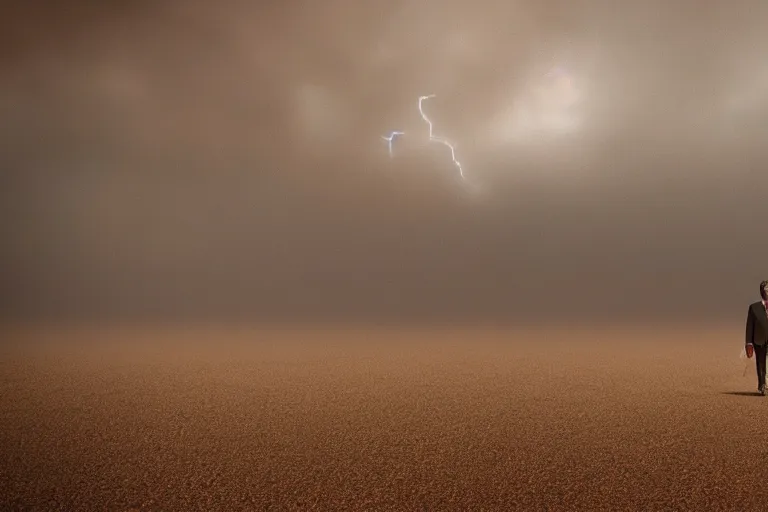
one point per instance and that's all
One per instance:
(757, 334)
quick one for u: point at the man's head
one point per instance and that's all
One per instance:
(764, 290)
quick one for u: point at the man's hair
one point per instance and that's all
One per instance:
(764, 290)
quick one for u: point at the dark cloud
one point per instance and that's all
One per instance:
(180, 159)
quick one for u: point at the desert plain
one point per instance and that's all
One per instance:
(243, 418)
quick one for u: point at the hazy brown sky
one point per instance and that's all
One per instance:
(224, 159)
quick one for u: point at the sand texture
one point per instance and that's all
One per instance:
(248, 419)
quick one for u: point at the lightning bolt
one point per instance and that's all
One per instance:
(390, 138)
(439, 139)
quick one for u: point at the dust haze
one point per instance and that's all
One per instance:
(190, 160)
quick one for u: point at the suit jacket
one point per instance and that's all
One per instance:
(757, 324)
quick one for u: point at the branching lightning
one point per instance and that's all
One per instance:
(390, 138)
(563, 82)
(439, 139)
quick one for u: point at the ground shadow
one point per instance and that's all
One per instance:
(741, 393)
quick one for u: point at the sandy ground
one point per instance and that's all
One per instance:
(239, 419)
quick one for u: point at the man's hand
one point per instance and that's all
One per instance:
(749, 349)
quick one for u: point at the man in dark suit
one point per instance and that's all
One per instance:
(757, 334)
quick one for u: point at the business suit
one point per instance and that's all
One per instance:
(757, 335)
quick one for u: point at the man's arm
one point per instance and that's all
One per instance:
(750, 327)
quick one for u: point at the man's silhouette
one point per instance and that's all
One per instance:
(757, 334)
